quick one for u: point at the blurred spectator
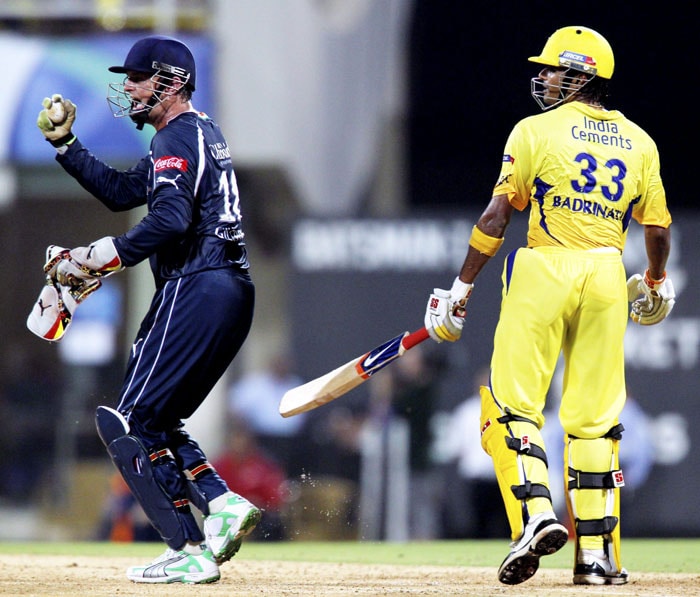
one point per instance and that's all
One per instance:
(123, 520)
(249, 471)
(415, 395)
(472, 501)
(325, 495)
(400, 482)
(330, 439)
(88, 353)
(255, 398)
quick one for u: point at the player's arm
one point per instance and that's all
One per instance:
(446, 309)
(510, 192)
(118, 190)
(658, 246)
(487, 237)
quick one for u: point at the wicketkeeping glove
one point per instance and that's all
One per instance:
(56, 120)
(53, 311)
(446, 310)
(98, 260)
(652, 300)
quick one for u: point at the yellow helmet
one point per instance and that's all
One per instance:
(579, 48)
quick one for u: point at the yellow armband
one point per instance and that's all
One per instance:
(488, 245)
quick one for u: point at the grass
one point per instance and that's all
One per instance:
(639, 555)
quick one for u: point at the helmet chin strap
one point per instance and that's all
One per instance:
(139, 119)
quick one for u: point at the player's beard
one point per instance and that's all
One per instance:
(140, 112)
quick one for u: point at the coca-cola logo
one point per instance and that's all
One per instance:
(170, 162)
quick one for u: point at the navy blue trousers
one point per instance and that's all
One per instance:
(194, 328)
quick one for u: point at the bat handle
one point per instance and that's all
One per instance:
(410, 340)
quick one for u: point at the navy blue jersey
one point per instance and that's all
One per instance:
(187, 180)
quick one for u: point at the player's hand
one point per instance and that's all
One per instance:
(53, 311)
(56, 119)
(652, 300)
(79, 290)
(98, 260)
(446, 310)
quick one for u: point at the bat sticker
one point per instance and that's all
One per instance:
(380, 357)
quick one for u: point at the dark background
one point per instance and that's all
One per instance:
(469, 83)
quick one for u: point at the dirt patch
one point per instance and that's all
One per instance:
(87, 576)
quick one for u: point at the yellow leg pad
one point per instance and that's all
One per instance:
(513, 468)
(599, 455)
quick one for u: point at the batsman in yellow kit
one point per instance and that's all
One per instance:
(586, 173)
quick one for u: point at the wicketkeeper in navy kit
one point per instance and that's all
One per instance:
(200, 314)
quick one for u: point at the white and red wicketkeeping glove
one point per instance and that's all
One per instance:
(53, 311)
(98, 260)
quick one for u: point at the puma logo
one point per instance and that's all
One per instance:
(172, 181)
(42, 307)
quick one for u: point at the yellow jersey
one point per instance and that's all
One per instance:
(585, 172)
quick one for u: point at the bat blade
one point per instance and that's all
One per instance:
(341, 380)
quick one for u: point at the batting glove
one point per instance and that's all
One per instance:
(446, 310)
(98, 260)
(652, 300)
(56, 120)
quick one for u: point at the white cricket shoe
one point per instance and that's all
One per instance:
(595, 568)
(224, 530)
(543, 535)
(177, 566)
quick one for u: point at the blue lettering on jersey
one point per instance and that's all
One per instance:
(586, 206)
(603, 132)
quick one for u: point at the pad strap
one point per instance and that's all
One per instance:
(522, 445)
(530, 490)
(615, 432)
(198, 495)
(583, 480)
(160, 456)
(600, 526)
(509, 416)
(198, 471)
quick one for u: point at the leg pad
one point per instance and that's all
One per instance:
(516, 447)
(133, 462)
(593, 495)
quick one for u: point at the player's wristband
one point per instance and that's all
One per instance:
(488, 245)
(65, 140)
(651, 283)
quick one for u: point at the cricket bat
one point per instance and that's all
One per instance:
(340, 381)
